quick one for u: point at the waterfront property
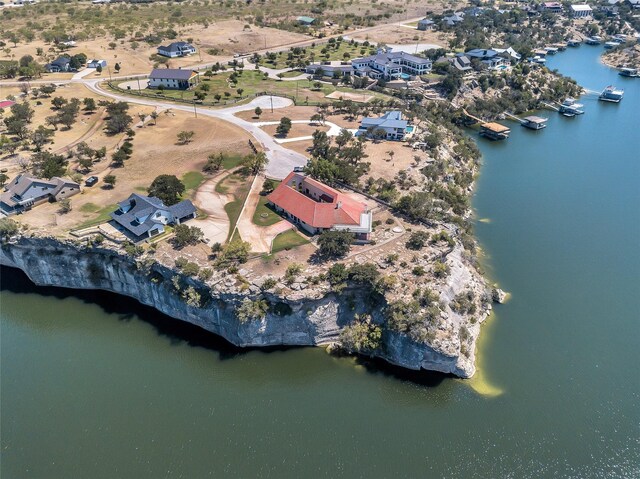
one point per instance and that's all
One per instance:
(142, 217)
(173, 78)
(490, 57)
(494, 131)
(553, 7)
(25, 192)
(316, 207)
(462, 63)
(454, 19)
(391, 65)
(176, 49)
(389, 126)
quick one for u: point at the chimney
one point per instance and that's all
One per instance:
(339, 205)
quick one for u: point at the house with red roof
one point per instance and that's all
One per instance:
(316, 207)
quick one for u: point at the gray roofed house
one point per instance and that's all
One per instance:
(462, 63)
(454, 19)
(390, 65)
(25, 192)
(173, 78)
(329, 70)
(176, 49)
(60, 64)
(426, 24)
(141, 217)
(391, 123)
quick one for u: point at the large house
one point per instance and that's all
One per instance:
(173, 78)
(61, 64)
(490, 57)
(316, 207)
(141, 217)
(176, 49)
(553, 7)
(391, 65)
(454, 19)
(25, 192)
(328, 70)
(391, 123)
(462, 63)
(581, 11)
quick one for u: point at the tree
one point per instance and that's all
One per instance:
(47, 165)
(3, 179)
(58, 102)
(199, 95)
(110, 181)
(8, 228)
(417, 240)
(167, 188)
(256, 162)
(99, 68)
(268, 186)
(118, 158)
(258, 112)
(283, 127)
(117, 67)
(118, 120)
(186, 235)
(250, 310)
(154, 116)
(40, 137)
(343, 138)
(89, 105)
(240, 90)
(16, 126)
(334, 244)
(65, 206)
(185, 137)
(235, 252)
(214, 163)
(47, 90)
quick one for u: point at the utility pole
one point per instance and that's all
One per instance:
(271, 98)
(195, 112)
(138, 78)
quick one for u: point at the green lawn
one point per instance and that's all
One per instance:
(262, 209)
(191, 180)
(238, 186)
(103, 214)
(317, 53)
(291, 74)
(251, 82)
(288, 240)
(231, 161)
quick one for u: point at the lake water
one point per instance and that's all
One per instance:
(93, 385)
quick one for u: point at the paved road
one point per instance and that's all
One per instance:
(281, 159)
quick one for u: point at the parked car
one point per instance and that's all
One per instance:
(92, 180)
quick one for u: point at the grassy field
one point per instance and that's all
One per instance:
(250, 82)
(288, 240)
(324, 52)
(191, 180)
(103, 214)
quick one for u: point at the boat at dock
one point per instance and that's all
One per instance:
(594, 40)
(534, 122)
(610, 45)
(551, 50)
(573, 42)
(571, 108)
(611, 94)
(629, 72)
(495, 131)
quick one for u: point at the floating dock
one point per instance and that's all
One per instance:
(629, 72)
(495, 131)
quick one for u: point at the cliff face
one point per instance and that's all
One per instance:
(53, 262)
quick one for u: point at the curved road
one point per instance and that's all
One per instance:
(281, 159)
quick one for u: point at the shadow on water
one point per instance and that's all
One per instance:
(177, 332)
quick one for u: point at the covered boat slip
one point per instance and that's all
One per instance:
(534, 122)
(495, 131)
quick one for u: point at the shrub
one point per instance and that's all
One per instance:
(186, 235)
(191, 269)
(8, 228)
(205, 274)
(233, 253)
(443, 236)
(334, 244)
(192, 297)
(132, 249)
(417, 240)
(181, 262)
(268, 284)
(251, 310)
(361, 337)
(293, 270)
(418, 271)
(464, 303)
(440, 269)
(337, 274)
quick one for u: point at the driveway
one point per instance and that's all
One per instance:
(216, 225)
(260, 237)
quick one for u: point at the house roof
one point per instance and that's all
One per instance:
(61, 61)
(495, 127)
(481, 53)
(175, 46)
(426, 21)
(21, 184)
(337, 208)
(6, 103)
(581, 8)
(172, 74)
(305, 19)
(136, 212)
(391, 119)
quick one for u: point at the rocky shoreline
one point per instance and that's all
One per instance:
(295, 321)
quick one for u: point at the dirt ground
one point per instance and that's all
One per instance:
(297, 129)
(403, 35)
(227, 36)
(155, 152)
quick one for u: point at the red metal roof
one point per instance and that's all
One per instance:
(342, 210)
(6, 103)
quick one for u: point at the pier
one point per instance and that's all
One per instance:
(491, 130)
(531, 122)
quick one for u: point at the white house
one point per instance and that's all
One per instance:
(176, 49)
(391, 123)
(581, 11)
(391, 65)
(173, 78)
(97, 63)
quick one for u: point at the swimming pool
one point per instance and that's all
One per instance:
(404, 76)
(409, 129)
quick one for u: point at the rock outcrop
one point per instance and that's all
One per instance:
(306, 321)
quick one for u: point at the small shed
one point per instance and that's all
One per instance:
(97, 63)
(303, 20)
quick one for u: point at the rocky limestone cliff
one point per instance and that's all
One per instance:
(54, 262)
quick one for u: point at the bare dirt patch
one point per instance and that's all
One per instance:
(401, 35)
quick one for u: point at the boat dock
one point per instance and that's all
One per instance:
(534, 122)
(495, 131)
